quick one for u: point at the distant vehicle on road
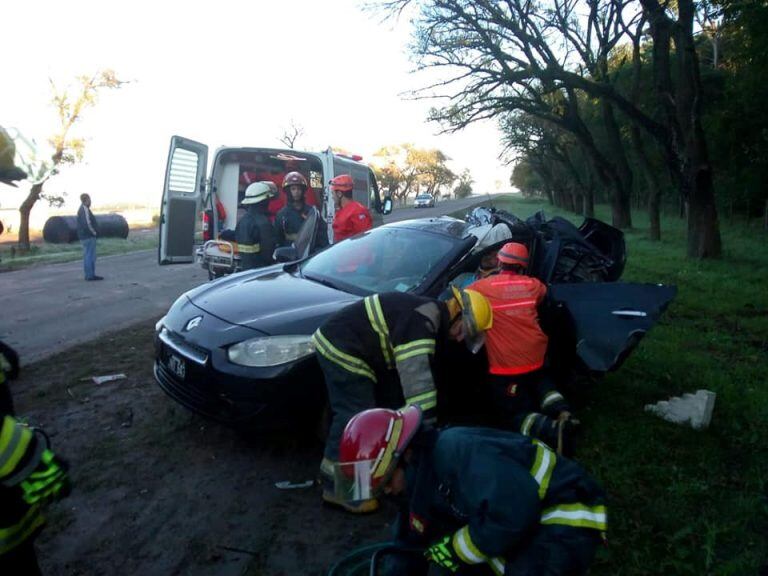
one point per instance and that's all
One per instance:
(424, 201)
(200, 203)
(238, 349)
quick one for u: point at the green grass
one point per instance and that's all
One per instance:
(682, 501)
(45, 253)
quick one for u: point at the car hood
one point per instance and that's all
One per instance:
(270, 300)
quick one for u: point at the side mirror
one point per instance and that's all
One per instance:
(285, 254)
(387, 206)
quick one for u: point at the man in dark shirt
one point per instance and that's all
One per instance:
(87, 232)
(254, 233)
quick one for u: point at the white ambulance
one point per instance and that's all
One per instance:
(200, 202)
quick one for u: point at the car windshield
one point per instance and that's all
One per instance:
(382, 260)
(423, 197)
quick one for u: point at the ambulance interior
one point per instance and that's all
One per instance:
(234, 170)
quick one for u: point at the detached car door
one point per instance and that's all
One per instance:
(185, 176)
(603, 322)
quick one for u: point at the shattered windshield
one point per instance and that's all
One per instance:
(381, 260)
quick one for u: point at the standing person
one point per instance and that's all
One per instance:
(521, 391)
(31, 476)
(380, 351)
(292, 216)
(479, 500)
(87, 232)
(254, 233)
(351, 217)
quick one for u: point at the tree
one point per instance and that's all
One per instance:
(291, 134)
(464, 187)
(404, 169)
(70, 105)
(538, 57)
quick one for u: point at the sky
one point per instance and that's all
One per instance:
(229, 72)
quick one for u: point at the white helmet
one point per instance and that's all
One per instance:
(259, 191)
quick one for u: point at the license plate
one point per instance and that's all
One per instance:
(177, 366)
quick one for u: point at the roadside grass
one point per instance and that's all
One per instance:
(684, 501)
(46, 253)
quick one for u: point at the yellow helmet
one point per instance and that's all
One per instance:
(476, 315)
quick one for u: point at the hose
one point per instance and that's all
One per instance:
(367, 550)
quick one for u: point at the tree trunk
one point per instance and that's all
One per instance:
(621, 201)
(686, 150)
(24, 211)
(703, 226)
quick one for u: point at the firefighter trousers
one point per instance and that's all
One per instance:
(349, 394)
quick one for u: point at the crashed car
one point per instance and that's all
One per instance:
(238, 350)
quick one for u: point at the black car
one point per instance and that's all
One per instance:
(238, 349)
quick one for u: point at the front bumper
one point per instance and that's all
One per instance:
(205, 382)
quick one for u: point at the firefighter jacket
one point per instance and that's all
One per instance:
(492, 489)
(255, 239)
(288, 222)
(388, 332)
(515, 343)
(352, 219)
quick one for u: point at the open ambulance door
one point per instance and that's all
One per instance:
(185, 176)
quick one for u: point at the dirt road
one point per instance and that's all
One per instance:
(160, 491)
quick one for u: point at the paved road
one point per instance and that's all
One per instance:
(46, 309)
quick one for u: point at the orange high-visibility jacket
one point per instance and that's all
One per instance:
(515, 343)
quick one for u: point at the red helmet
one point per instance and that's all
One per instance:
(342, 183)
(294, 178)
(370, 447)
(514, 253)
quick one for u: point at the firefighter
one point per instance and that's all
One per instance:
(254, 233)
(351, 217)
(380, 351)
(479, 500)
(292, 216)
(521, 392)
(31, 476)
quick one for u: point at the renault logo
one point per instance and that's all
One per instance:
(194, 323)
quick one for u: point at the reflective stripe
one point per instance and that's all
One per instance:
(249, 248)
(11, 537)
(576, 515)
(346, 361)
(542, 467)
(14, 440)
(290, 237)
(552, 397)
(514, 304)
(525, 428)
(497, 565)
(466, 549)
(425, 401)
(379, 325)
(381, 466)
(24, 471)
(414, 348)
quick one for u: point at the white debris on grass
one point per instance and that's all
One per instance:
(694, 410)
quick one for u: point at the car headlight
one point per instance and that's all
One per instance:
(270, 350)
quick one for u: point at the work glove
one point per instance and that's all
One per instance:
(49, 481)
(444, 555)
